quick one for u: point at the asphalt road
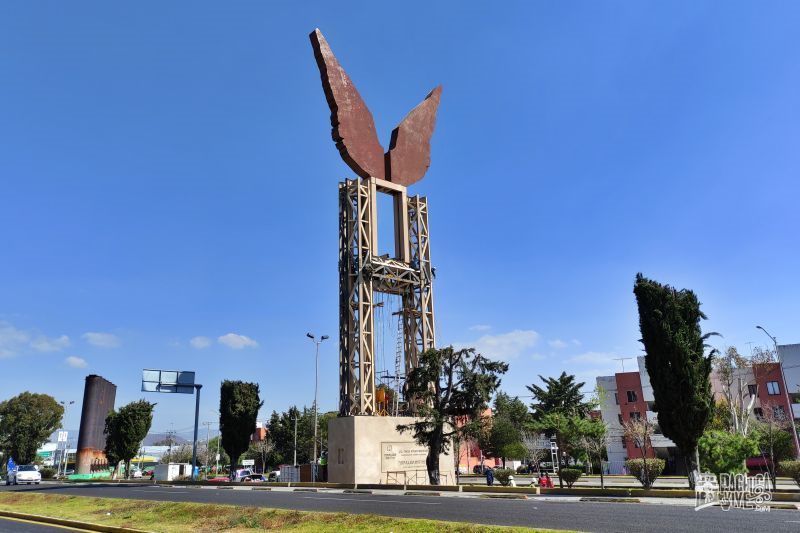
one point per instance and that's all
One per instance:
(582, 516)
(8, 525)
(616, 481)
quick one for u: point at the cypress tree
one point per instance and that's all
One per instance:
(239, 403)
(679, 368)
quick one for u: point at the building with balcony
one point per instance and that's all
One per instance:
(628, 395)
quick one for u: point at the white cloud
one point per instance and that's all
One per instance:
(576, 342)
(236, 341)
(11, 339)
(480, 327)
(595, 358)
(101, 340)
(76, 362)
(201, 342)
(504, 346)
(14, 341)
(44, 344)
(558, 344)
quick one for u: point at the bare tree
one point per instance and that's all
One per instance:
(534, 451)
(640, 431)
(772, 421)
(734, 373)
(594, 442)
(263, 448)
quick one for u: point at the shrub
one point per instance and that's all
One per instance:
(522, 469)
(790, 469)
(502, 475)
(47, 472)
(645, 477)
(570, 475)
(723, 452)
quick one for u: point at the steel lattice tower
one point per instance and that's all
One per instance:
(362, 273)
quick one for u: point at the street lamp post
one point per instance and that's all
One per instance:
(316, 382)
(65, 451)
(785, 392)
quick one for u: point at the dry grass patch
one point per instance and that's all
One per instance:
(174, 517)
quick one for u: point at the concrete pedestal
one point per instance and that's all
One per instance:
(370, 450)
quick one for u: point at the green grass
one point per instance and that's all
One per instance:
(170, 517)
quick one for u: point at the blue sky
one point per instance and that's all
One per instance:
(167, 174)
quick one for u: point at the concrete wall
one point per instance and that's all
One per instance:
(357, 452)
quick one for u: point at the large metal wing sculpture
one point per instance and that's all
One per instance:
(409, 154)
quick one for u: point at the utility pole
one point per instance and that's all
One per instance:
(208, 451)
(217, 456)
(295, 440)
(316, 381)
(622, 361)
(170, 437)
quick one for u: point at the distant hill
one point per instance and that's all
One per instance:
(150, 440)
(153, 438)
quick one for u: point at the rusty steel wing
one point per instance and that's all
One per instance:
(409, 154)
(353, 127)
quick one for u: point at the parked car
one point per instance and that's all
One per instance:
(242, 473)
(136, 473)
(480, 469)
(275, 475)
(24, 474)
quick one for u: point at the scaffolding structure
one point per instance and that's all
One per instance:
(362, 273)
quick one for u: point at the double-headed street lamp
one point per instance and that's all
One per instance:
(785, 392)
(316, 382)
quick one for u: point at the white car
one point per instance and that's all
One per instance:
(136, 473)
(24, 474)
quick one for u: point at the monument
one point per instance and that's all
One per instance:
(364, 445)
(98, 400)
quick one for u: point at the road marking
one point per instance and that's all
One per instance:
(368, 500)
(150, 491)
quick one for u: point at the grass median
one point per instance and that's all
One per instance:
(171, 517)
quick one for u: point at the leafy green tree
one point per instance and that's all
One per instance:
(281, 432)
(559, 395)
(500, 440)
(504, 436)
(677, 363)
(26, 422)
(239, 403)
(125, 430)
(450, 390)
(214, 446)
(512, 409)
(567, 430)
(725, 452)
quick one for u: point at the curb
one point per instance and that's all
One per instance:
(86, 526)
(421, 493)
(506, 496)
(611, 500)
